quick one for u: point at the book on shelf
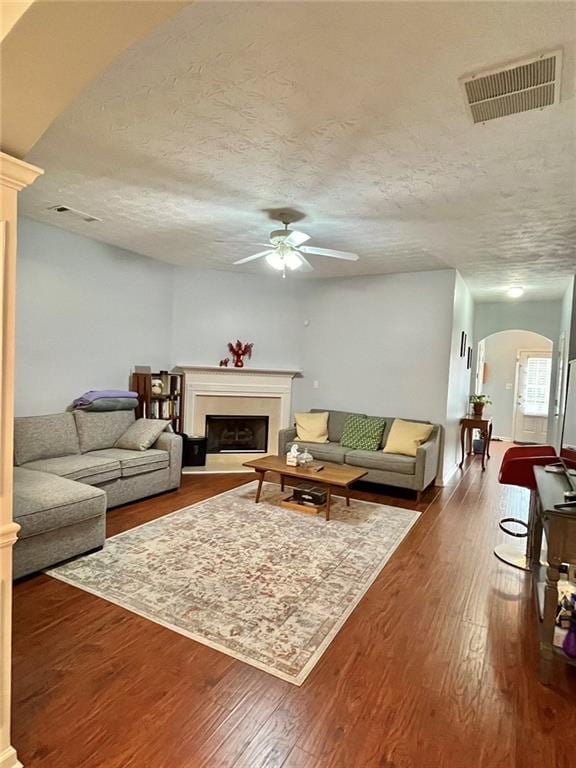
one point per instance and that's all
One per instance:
(164, 404)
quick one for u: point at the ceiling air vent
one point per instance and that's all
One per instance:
(532, 83)
(72, 213)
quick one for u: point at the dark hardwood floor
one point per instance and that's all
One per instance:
(436, 668)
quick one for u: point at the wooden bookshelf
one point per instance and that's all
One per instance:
(169, 404)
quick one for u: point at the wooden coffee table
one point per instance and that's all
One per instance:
(331, 476)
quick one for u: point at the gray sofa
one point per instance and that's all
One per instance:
(385, 468)
(68, 473)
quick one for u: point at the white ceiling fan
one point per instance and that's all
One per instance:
(286, 250)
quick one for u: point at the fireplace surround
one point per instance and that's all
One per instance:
(236, 392)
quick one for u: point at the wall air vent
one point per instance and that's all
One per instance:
(532, 83)
(71, 213)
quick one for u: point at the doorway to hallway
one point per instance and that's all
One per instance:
(514, 368)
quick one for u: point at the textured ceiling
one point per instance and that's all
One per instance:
(349, 112)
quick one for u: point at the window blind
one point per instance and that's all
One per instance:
(537, 386)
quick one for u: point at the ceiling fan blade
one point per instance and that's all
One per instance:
(346, 255)
(305, 266)
(253, 257)
(296, 238)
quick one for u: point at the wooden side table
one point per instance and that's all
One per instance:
(467, 425)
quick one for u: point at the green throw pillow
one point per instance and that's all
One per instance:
(363, 433)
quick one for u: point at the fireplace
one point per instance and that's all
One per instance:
(236, 434)
(213, 391)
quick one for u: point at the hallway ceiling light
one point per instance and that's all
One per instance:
(515, 292)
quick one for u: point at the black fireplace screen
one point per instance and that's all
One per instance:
(236, 434)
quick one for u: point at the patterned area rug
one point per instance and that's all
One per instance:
(258, 582)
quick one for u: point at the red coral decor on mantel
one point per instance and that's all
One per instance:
(239, 351)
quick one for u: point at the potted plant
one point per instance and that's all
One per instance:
(478, 403)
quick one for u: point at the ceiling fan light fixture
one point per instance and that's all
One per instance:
(293, 260)
(515, 291)
(286, 251)
(281, 259)
(276, 261)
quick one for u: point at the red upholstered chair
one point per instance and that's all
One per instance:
(517, 468)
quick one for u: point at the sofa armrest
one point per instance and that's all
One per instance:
(172, 443)
(285, 436)
(427, 461)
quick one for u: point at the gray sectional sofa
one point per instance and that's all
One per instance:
(384, 468)
(68, 473)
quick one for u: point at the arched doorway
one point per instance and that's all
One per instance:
(514, 368)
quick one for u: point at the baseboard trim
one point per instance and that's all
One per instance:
(445, 479)
(8, 759)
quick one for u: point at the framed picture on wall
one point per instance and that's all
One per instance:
(469, 359)
(463, 340)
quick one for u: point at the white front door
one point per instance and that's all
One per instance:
(532, 396)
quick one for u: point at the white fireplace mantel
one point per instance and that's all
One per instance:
(243, 371)
(221, 390)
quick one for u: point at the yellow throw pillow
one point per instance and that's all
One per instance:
(312, 427)
(406, 436)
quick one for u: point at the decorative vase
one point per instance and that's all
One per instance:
(478, 409)
(238, 363)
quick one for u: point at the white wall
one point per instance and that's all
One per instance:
(379, 345)
(501, 354)
(211, 308)
(86, 312)
(536, 316)
(457, 402)
(569, 436)
(568, 317)
(568, 329)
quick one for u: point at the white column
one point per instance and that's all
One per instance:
(15, 175)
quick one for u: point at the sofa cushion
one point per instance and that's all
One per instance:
(387, 462)
(323, 451)
(101, 430)
(87, 469)
(43, 437)
(312, 427)
(44, 502)
(141, 434)
(390, 422)
(336, 421)
(135, 462)
(406, 436)
(363, 433)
